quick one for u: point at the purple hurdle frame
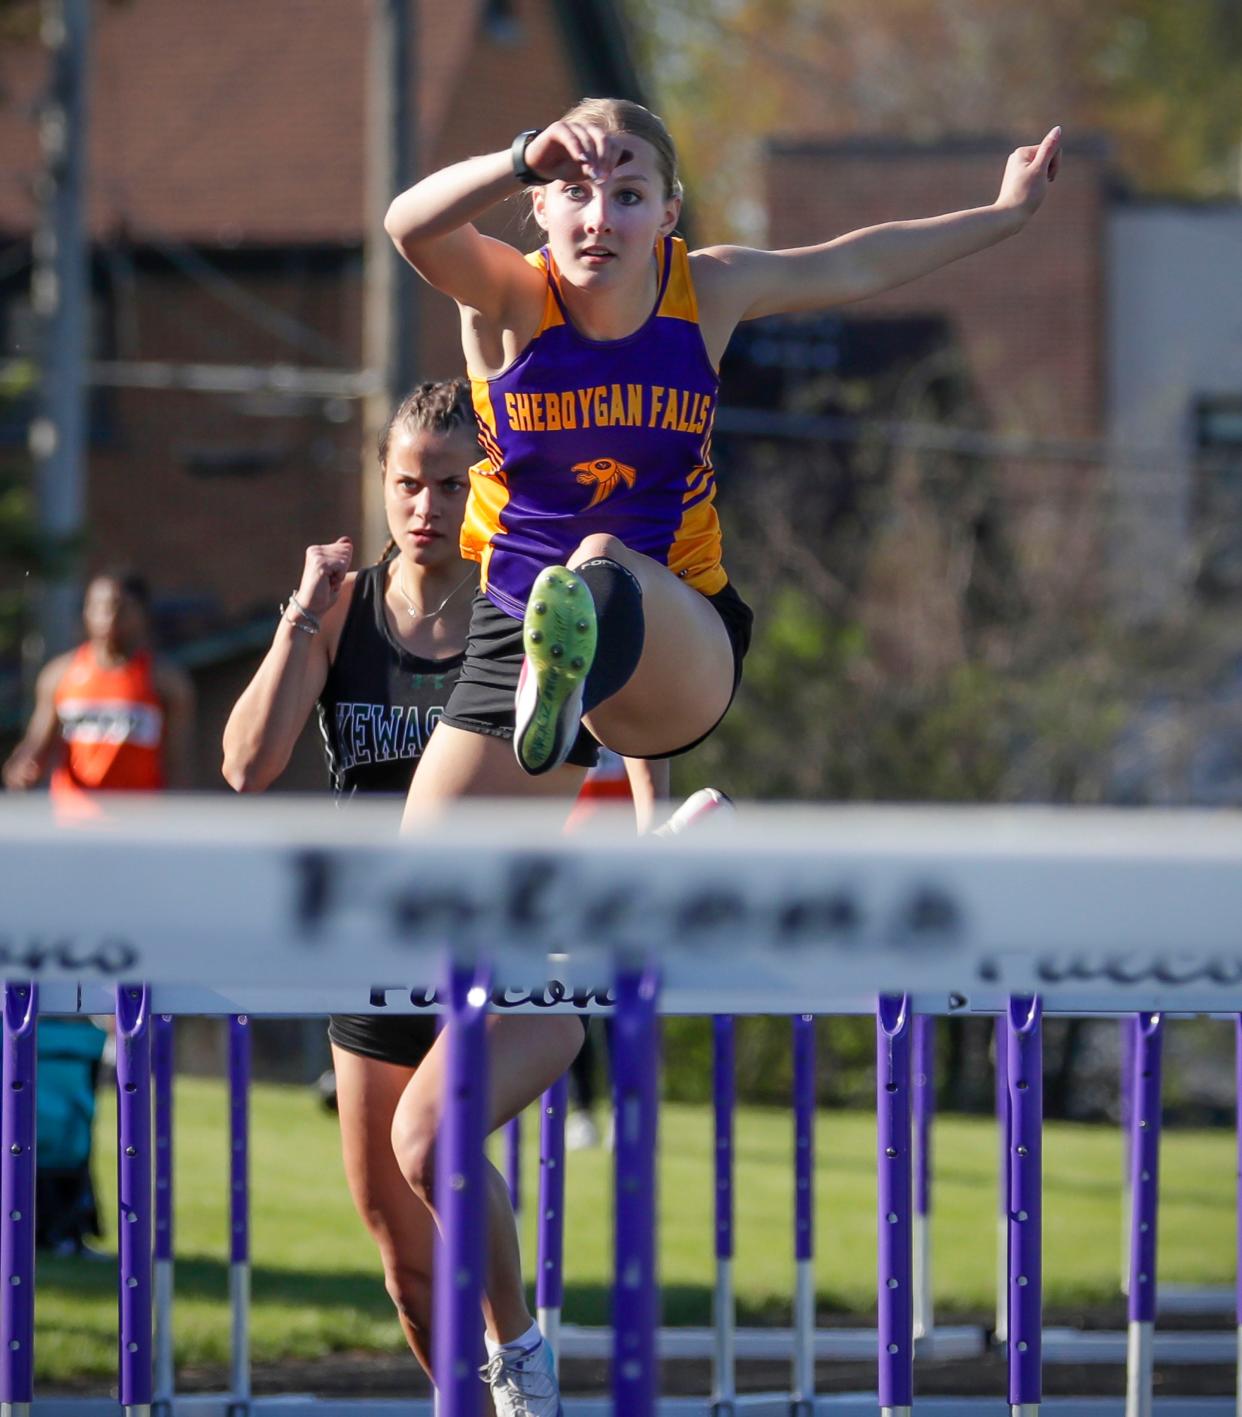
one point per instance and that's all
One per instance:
(550, 1277)
(134, 1217)
(802, 1402)
(239, 1211)
(17, 1193)
(724, 1314)
(460, 1188)
(1126, 1033)
(162, 1071)
(636, 1090)
(1000, 1043)
(895, 1270)
(1237, 1031)
(924, 1111)
(1144, 1183)
(1025, 1073)
(513, 1166)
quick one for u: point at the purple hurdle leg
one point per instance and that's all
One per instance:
(133, 1095)
(162, 1068)
(803, 1403)
(461, 1195)
(1237, 1028)
(896, 1266)
(1144, 1180)
(924, 1109)
(724, 1373)
(1024, 1025)
(17, 1193)
(550, 1283)
(1127, 1030)
(239, 1209)
(635, 1303)
(1001, 1045)
(513, 1166)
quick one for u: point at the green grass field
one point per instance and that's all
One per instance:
(316, 1282)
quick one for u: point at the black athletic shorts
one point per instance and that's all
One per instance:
(482, 699)
(404, 1039)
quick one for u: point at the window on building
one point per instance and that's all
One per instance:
(1217, 423)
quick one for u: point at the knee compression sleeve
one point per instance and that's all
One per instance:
(619, 613)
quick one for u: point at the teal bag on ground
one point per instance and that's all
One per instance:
(69, 1050)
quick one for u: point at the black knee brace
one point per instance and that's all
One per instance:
(619, 613)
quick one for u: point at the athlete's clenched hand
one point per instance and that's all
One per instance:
(324, 574)
(570, 152)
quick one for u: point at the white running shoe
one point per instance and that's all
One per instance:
(523, 1382)
(581, 1133)
(707, 803)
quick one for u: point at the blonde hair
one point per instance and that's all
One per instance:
(620, 115)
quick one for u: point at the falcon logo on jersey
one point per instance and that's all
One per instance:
(607, 475)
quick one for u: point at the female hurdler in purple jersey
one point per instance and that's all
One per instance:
(604, 597)
(593, 364)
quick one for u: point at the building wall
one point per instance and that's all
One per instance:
(1175, 332)
(1029, 316)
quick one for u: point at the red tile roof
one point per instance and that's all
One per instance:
(226, 120)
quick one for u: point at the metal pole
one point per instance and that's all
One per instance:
(635, 1298)
(239, 1212)
(162, 1066)
(60, 296)
(133, 1095)
(389, 288)
(17, 1194)
(924, 1110)
(893, 1192)
(550, 1282)
(803, 1398)
(1026, 1109)
(724, 1317)
(1144, 1181)
(461, 1195)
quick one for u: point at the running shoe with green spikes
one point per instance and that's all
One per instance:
(558, 636)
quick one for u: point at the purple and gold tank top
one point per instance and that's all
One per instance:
(585, 436)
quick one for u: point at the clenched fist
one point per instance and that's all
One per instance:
(324, 574)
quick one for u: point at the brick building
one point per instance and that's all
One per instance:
(226, 211)
(1025, 324)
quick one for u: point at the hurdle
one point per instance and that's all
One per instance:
(319, 910)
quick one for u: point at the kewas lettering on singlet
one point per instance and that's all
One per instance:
(610, 406)
(382, 733)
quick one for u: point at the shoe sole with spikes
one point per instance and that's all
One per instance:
(558, 637)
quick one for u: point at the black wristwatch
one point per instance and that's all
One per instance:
(522, 170)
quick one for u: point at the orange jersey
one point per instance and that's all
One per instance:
(112, 724)
(607, 782)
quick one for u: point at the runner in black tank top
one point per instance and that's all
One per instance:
(380, 702)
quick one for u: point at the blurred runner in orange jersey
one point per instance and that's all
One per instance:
(108, 716)
(615, 780)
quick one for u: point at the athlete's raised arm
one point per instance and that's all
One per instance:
(265, 722)
(737, 283)
(431, 222)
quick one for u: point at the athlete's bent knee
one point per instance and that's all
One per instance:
(414, 1146)
(618, 599)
